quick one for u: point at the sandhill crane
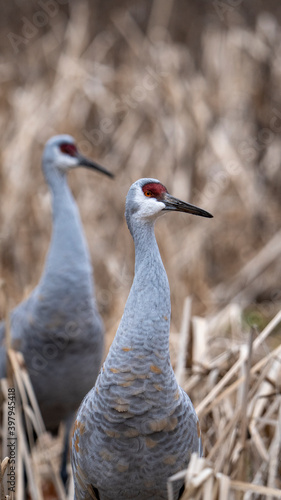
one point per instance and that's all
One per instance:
(137, 427)
(58, 328)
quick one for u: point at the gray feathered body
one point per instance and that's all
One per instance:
(58, 328)
(136, 427)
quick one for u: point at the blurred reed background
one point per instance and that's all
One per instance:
(186, 92)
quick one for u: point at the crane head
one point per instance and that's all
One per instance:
(62, 154)
(148, 198)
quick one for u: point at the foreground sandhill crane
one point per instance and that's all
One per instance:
(58, 328)
(137, 427)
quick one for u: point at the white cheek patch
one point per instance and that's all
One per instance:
(148, 207)
(66, 162)
(152, 207)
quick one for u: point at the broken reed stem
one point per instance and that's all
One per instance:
(227, 430)
(255, 488)
(202, 482)
(274, 453)
(243, 411)
(232, 371)
(231, 388)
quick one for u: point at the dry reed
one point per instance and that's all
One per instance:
(208, 126)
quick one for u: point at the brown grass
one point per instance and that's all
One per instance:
(204, 118)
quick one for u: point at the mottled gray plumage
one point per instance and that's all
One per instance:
(137, 427)
(58, 328)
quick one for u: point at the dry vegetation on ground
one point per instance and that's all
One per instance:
(188, 94)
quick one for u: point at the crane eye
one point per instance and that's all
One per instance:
(148, 193)
(69, 149)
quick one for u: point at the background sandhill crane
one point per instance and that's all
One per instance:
(58, 328)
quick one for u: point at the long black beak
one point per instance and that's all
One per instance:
(93, 165)
(172, 203)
